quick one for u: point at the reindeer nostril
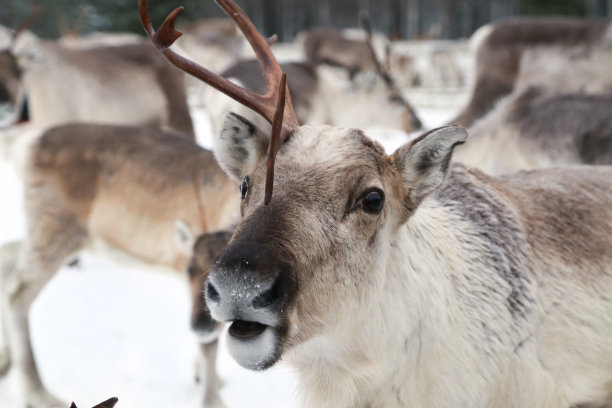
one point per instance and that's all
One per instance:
(268, 297)
(211, 293)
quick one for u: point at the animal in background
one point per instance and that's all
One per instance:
(126, 84)
(135, 191)
(565, 54)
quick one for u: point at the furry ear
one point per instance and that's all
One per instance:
(423, 163)
(240, 146)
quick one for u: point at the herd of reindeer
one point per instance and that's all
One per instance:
(383, 280)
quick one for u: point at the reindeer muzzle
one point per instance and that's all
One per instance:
(252, 290)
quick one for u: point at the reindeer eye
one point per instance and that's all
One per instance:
(373, 201)
(244, 187)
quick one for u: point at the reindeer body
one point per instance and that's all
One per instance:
(539, 128)
(127, 188)
(522, 52)
(124, 84)
(480, 303)
(488, 292)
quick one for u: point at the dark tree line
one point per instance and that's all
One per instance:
(397, 18)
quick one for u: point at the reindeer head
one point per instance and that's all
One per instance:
(205, 251)
(321, 242)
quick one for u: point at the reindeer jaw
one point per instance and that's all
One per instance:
(253, 345)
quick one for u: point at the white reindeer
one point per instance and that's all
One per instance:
(402, 280)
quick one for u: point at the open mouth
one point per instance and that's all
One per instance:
(243, 329)
(253, 345)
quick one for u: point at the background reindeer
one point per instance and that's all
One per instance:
(539, 127)
(468, 296)
(370, 98)
(124, 84)
(523, 52)
(322, 97)
(341, 48)
(557, 100)
(111, 187)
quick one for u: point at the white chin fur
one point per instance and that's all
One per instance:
(256, 353)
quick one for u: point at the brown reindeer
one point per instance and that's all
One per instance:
(140, 191)
(126, 84)
(538, 51)
(330, 46)
(402, 280)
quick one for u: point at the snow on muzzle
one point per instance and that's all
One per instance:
(250, 287)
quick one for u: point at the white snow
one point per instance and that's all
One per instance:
(103, 329)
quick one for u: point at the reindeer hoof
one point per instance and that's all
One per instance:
(43, 399)
(5, 361)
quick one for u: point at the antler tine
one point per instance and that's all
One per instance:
(264, 105)
(275, 140)
(36, 10)
(386, 76)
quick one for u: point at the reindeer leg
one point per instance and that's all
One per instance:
(8, 259)
(54, 237)
(208, 375)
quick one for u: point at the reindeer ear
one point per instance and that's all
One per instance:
(240, 146)
(423, 163)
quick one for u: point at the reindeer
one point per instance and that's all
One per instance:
(126, 84)
(539, 127)
(330, 46)
(470, 290)
(117, 187)
(322, 97)
(536, 51)
(214, 43)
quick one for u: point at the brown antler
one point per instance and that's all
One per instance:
(35, 12)
(264, 105)
(382, 70)
(275, 139)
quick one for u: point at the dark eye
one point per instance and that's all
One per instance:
(373, 201)
(244, 187)
(191, 271)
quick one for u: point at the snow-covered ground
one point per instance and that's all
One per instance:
(104, 329)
